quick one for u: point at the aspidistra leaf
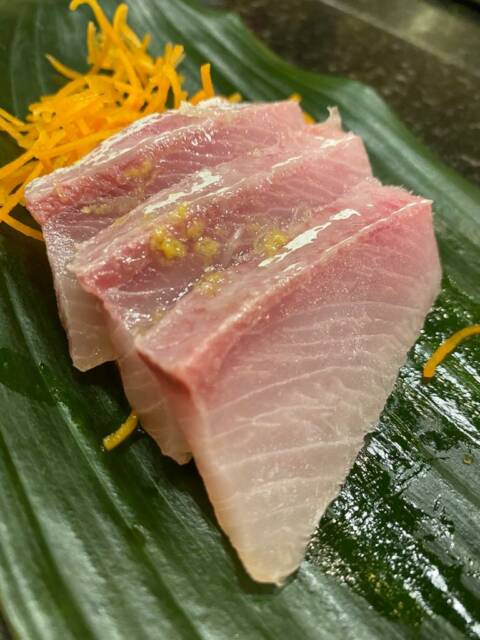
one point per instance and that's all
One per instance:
(120, 545)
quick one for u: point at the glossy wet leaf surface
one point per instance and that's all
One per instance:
(125, 545)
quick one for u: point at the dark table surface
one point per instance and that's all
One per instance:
(421, 55)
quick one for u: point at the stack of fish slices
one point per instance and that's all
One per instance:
(259, 290)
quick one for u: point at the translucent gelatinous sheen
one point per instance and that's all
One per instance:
(75, 203)
(277, 378)
(237, 209)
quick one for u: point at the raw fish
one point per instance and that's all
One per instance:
(218, 216)
(75, 203)
(277, 377)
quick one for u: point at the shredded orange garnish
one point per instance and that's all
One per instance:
(124, 83)
(447, 347)
(122, 433)
(296, 97)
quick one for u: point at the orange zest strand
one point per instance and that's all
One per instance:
(62, 69)
(296, 97)
(23, 228)
(207, 85)
(16, 164)
(122, 433)
(235, 97)
(447, 347)
(123, 83)
(10, 118)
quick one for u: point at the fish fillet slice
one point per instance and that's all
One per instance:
(75, 203)
(96, 178)
(291, 364)
(234, 203)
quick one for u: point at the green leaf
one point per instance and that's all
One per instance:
(125, 545)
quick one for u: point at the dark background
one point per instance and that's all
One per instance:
(423, 57)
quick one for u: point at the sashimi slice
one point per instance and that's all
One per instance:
(75, 203)
(308, 169)
(97, 177)
(233, 211)
(276, 379)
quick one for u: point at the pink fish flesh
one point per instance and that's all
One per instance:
(237, 205)
(260, 291)
(276, 379)
(75, 203)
